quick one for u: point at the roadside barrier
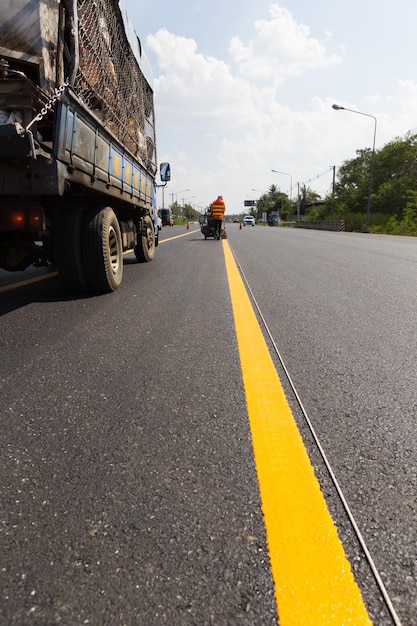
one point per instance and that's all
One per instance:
(337, 225)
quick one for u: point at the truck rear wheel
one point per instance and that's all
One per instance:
(145, 248)
(68, 249)
(103, 251)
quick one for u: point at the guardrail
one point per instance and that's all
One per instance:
(337, 225)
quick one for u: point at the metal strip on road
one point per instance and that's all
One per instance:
(313, 580)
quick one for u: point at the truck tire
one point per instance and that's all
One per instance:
(68, 249)
(103, 251)
(145, 248)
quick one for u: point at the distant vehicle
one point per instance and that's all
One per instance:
(166, 217)
(248, 220)
(235, 221)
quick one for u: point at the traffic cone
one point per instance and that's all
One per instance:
(188, 225)
(240, 225)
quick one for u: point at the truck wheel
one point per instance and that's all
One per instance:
(68, 249)
(145, 248)
(103, 251)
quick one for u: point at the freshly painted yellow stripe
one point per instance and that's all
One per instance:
(37, 279)
(313, 581)
(189, 232)
(28, 281)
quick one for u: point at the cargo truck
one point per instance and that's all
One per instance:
(77, 141)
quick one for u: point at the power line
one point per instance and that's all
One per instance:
(318, 175)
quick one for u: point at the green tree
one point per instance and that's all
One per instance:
(408, 224)
(176, 209)
(410, 213)
(306, 198)
(190, 213)
(352, 188)
(273, 201)
(395, 177)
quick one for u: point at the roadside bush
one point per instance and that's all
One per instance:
(407, 225)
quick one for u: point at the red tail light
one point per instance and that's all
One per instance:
(30, 218)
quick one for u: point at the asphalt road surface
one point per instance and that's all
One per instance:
(130, 491)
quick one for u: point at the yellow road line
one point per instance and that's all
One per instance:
(178, 236)
(36, 279)
(28, 281)
(313, 581)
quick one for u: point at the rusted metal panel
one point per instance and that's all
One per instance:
(102, 132)
(29, 32)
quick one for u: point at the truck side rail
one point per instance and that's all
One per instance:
(95, 159)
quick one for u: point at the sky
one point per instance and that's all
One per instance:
(243, 87)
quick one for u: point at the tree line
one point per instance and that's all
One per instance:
(393, 200)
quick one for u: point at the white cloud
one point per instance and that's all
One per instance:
(205, 89)
(241, 130)
(223, 130)
(404, 106)
(282, 48)
(196, 88)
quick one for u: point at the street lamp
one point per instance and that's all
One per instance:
(336, 107)
(176, 194)
(285, 174)
(189, 198)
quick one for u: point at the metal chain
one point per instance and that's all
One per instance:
(48, 106)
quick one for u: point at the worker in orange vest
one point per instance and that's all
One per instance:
(218, 208)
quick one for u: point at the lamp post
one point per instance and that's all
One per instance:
(176, 194)
(285, 174)
(336, 107)
(189, 198)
